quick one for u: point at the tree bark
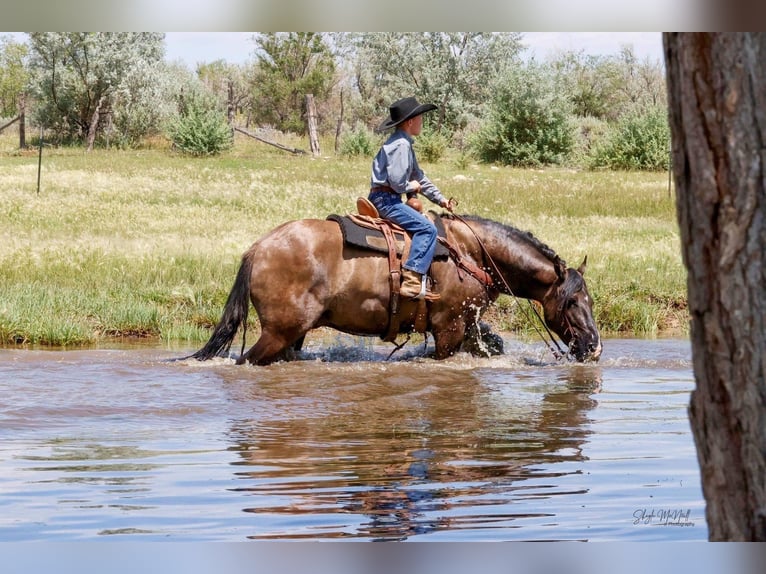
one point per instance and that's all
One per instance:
(230, 105)
(22, 121)
(717, 98)
(339, 125)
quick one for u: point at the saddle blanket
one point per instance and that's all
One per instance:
(373, 240)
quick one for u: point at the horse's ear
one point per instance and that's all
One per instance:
(583, 265)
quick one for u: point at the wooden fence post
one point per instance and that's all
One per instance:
(311, 114)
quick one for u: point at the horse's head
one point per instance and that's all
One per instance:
(568, 310)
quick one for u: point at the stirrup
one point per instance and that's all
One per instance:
(424, 292)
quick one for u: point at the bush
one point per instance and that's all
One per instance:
(431, 146)
(639, 141)
(358, 142)
(588, 133)
(200, 128)
(528, 123)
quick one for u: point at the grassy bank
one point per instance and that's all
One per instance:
(147, 243)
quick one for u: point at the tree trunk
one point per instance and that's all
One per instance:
(22, 121)
(339, 125)
(311, 114)
(717, 97)
(94, 123)
(230, 105)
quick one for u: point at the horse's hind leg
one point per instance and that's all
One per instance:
(271, 347)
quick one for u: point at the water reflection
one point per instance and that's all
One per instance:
(122, 443)
(388, 452)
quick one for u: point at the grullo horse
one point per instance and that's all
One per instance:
(302, 275)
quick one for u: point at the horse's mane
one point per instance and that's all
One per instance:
(518, 236)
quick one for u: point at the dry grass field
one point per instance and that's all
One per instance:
(147, 242)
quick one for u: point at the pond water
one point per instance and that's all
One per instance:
(123, 444)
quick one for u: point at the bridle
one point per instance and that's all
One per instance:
(490, 282)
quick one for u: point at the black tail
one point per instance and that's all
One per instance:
(234, 314)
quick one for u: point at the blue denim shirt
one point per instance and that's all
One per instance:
(395, 165)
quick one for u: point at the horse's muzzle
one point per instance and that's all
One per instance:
(589, 352)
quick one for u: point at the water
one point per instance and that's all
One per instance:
(121, 444)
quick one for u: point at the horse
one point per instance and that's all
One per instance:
(302, 275)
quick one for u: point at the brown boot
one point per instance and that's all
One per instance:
(414, 287)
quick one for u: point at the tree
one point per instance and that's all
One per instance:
(717, 96)
(607, 87)
(228, 83)
(13, 75)
(289, 66)
(76, 76)
(454, 70)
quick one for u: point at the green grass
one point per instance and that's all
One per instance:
(147, 243)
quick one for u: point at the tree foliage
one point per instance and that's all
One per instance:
(289, 66)
(606, 87)
(639, 141)
(77, 76)
(85, 86)
(528, 121)
(230, 84)
(13, 75)
(200, 128)
(451, 69)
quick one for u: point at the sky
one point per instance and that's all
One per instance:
(237, 47)
(192, 48)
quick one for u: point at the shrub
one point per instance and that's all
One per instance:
(358, 142)
(431, 145)
(639, 141)
(589, 132)
(200, 128)
(528, 123)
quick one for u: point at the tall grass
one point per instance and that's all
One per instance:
(147, 243)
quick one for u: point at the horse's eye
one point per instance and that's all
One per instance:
(571, 303)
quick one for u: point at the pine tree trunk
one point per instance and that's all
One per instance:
(717, 97)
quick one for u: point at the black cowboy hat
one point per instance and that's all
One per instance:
(402, 110)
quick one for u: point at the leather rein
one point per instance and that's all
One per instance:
(488, 280)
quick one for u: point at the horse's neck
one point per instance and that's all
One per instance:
(524, 268)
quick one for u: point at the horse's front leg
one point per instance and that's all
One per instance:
(448, 337)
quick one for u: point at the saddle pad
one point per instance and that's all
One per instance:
(373, 240)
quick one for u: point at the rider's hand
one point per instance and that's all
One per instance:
(413, 186)
(449, 205)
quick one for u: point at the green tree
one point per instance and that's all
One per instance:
(606, 87)
(147, 101)
(229, 84)
(77, 76)
(289, 66)
(13, 75)
(451, 69)
(528, 121)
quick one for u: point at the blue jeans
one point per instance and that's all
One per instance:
(390, 206)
